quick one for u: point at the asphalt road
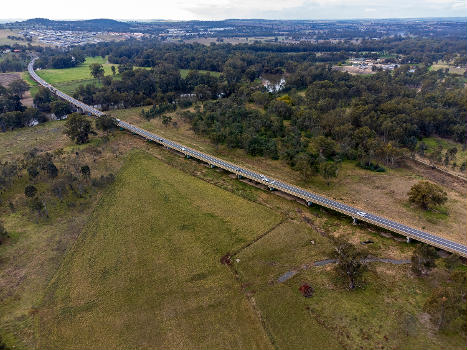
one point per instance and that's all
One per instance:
(309, 197)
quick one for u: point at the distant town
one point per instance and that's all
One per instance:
(67, 38)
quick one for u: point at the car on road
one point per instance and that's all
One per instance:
(361, 213)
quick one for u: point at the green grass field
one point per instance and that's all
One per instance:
(69, 87)
(146, 271)
(184, 72)
(82, 72)
(69, 79)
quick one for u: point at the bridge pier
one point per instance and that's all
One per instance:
(187, 156)
(409, 240)
(309, 203)
(271, 188)
(212, 166)
(354, 220)
(239, 176)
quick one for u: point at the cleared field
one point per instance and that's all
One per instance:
(7, 78)
(5, 33)
(184, 72)
(354, 70)
(381, 193)
(452, 69)
(69, 87)
(69, 79)
(146, 271)
(46, 137)
(82, 72)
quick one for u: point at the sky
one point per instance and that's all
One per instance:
(222, 9)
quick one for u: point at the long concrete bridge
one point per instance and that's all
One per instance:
(272, 183)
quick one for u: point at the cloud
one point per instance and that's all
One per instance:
(330, 9)
(221, 9)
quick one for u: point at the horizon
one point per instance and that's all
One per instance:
(215, 10)
(142, 20)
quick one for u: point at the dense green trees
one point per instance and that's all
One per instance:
(60, 108)
(325, 116)
(13, 114)
(51, 58)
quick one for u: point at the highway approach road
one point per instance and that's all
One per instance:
(273, 184)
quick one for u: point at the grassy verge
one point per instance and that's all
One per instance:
(33, 86)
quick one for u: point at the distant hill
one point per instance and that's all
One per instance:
(101, 24)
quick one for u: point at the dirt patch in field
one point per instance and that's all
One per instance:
(439, 177)
(27, 99)
(7, 78)
(354, 70)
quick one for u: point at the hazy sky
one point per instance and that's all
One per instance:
(221, 9)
